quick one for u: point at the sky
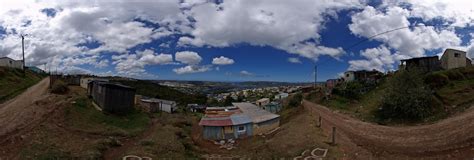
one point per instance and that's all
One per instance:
(231, 40)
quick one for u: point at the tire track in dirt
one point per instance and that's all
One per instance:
(26, 109)
(449, 138)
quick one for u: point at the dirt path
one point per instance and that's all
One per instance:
(449, 138)
(27, 109)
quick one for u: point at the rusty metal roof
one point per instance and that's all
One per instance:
(216, 121)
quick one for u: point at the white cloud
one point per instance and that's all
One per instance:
(56, 39)
(188, 57)
(133, 65)
(192, 69)
(411, 42)
(379, 58)
(149, 57)
(286, 25)
(294, 60)
(459, 13)
(222, 61)
(246, 73)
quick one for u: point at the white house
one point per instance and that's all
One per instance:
(154, 105)
(11, 63)
(281, 96)
(262, 102)
(86, 80)
(454, 59)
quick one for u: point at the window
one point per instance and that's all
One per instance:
(241, 129)
(457, 55)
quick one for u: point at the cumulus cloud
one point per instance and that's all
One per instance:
(222, 61)
(286, 25)
(134, 64)
(192, 69)
(379, 58)
(411, 42)
(246, 73)
(188, 57)
(294, 60)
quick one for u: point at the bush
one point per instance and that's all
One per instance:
(353, 90)
(59, 87)
(454, 74)
(295, 101)
(468, 72)
(436, 80)
(407, 98)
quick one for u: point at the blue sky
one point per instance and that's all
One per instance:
(255, 40)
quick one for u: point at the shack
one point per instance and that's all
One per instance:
(153, 105)
(225, 123)
(453, 58)
(262, 102)
(110, 97)
(423, 64)
(84, 81)
(238, 121)
(196, 108)
(272, 107)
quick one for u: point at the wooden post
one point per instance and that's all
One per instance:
(320, 122)
(333, 140)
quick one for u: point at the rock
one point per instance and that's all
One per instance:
(222, 142)
(22, 136)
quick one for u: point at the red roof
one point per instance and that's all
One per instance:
(215, 122)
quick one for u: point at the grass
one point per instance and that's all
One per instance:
(457, 96)
(83, 116)
(13, 82)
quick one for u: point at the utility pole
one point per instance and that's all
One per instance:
(23, 50)
(315, 75)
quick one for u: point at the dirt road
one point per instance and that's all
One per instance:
(449, 138)
(25, 110)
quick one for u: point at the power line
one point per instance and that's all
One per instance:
(373, 36)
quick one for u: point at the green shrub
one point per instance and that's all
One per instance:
(468, 72)
(407, 98)
(454, 74)
(59, 87)
(436, 80)
(295, 101)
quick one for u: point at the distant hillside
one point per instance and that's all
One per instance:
(151, 89)
(14, 82)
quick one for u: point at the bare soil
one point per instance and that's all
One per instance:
(451, 138)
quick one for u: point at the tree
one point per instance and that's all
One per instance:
(407, 97)
(295, 100)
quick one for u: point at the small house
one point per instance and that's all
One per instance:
(423, 64)
(262, 102)
(154, 105)
(281, 96)
(272, 107)
(238, 121)
(110, 97)
(454, 59)
(362, 75)
(84, 81)
(196, 108)
(11, 63)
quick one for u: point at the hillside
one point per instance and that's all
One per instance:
(151, 89)
(453, 89)
(14, 82)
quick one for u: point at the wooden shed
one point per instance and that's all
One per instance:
(110, 97)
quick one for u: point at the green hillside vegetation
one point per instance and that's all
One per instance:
(151, 89)
(448, 92)
(13, 82)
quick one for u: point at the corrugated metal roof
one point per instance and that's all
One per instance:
(238, 119)
(255, 113)
(221, 121)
